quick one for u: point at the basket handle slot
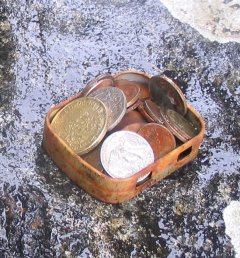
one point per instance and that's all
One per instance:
(184, 153)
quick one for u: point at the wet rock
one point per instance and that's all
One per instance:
(25, 227)
(50, 50)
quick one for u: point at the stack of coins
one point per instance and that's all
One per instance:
(121, 125)
(168, 107)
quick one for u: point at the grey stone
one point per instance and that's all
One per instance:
(49, 50)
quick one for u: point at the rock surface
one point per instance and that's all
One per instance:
(216, 19)
(231, 216)
(49, 50)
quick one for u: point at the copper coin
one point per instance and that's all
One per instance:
(140, 79)
(144, 91)
(131, 121)
(115, 101)
(93, 158)
(134, 106)
(166, 93)
(142, 110)
(130, 90)
(159, 137)
(133, 76)
(103, 80)
(154, 111)
(172, 127)
(182, 124)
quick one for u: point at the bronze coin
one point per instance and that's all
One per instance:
(166, 93)
(130, 90)
(142, 110)
(134, 76)
(131, 121)
(159, 137)
(182, 124)
(144, 91)
(93, 158)
(103, 80)
(154, 111)
(168, 122)
(139, 78)
(134, 106)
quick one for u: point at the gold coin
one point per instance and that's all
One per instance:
(82, 124)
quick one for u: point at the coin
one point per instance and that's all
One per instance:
(182, 124)
(115, 101)
(93, 158)
(142, 110)
(153, 111)
(170, 123)
(139, 78)
(130, 90)
(103, 80)
(131, 121)
(144, 91)
(166, 93)
(82, 124)
(133, 76)
(159, 137)
(193, 120)
(134, 106)
(124, 153)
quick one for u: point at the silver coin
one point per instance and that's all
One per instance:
(125, 153)
(115, 101)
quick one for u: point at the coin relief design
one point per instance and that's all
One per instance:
(172, 126)
(115, 101)
(81, 124)
(181, 123)
(124, 153)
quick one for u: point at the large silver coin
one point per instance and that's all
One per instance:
(115, 101)
(124, 153)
